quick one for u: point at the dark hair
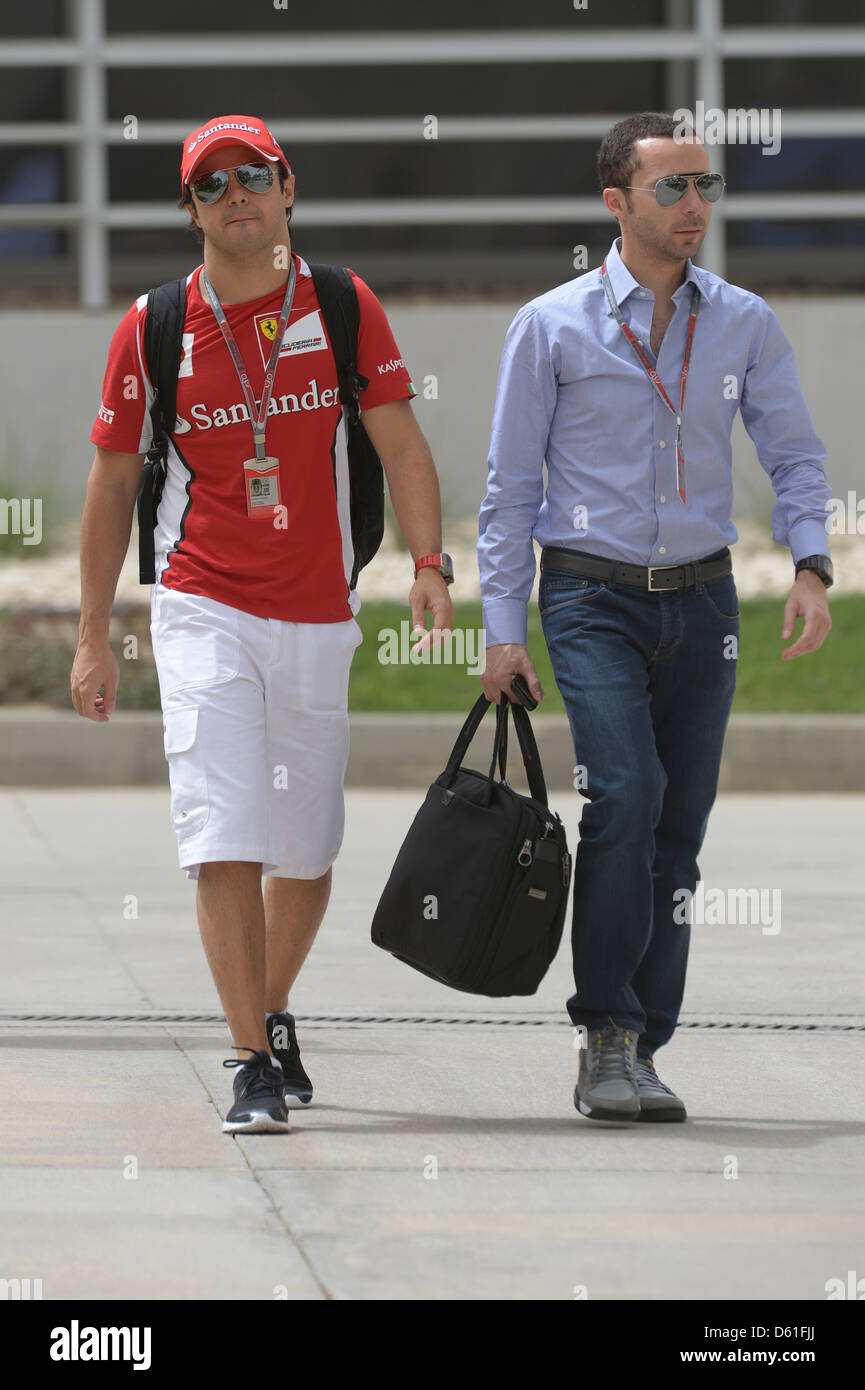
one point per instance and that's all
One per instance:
(186, 202)
(616, 158)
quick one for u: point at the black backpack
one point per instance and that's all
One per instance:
(163, 346)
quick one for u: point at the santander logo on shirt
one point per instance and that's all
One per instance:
(205, 419)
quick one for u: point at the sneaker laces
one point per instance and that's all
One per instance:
(610, 1061)
(651, 1076)
(255, 1083)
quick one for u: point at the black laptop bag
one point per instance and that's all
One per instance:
(478, 894)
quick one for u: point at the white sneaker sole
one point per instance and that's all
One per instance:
(259, 1124)
(293, 1102)
(593, 1113)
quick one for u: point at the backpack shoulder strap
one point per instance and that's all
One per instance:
(163, 347)
(163, 343)
(337, 299)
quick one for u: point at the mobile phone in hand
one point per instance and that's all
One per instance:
(522, 692)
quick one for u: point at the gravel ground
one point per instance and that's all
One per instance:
(760, 567)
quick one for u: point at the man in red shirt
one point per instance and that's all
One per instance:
(252, 610)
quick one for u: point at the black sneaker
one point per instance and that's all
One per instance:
(258, 1105)
(282, 1036)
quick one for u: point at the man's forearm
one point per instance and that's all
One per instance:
(414, 492)
(105, 529)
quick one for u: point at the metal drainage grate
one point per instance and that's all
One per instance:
(774, 1023)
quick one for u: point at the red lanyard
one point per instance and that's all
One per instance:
(257, 415)
(653, 375)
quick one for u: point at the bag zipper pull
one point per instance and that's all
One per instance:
(525, 855)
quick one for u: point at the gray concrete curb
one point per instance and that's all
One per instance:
(44, 747)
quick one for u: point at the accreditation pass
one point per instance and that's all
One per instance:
(261, 484)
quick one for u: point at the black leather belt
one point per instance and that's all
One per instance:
(650, 577)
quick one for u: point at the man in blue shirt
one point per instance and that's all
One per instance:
(626, 382)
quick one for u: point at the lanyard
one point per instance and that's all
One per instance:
(653, 375)
(256, 417)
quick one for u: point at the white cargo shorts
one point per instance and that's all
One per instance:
(255, 714)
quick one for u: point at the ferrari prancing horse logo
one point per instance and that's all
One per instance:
(305, 334)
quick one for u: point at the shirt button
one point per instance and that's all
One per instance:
(662, 444)
(662, 499)
(662, 550)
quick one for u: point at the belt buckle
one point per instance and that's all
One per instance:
(653, 570)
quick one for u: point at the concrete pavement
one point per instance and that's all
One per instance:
(440, 1159)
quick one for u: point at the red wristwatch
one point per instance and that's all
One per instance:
(443, 563)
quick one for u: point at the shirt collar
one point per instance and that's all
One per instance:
(623, 282)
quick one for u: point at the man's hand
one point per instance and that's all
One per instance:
(95, 665)
(505, 660)
(807, 599)
(429, 591)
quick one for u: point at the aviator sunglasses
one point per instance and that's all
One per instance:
(257, 178)
(669, 190)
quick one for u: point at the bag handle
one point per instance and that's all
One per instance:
(503, 741)
(464, 738)
(529, 750)
(528, 746)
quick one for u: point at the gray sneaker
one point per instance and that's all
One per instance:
(657, 1102)
(607, 1086)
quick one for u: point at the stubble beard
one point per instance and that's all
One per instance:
(662, 245)
(241, 245)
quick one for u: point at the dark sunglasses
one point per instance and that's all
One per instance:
(669, 190)
(258, 178)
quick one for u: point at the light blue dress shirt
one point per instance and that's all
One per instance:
(572, 393)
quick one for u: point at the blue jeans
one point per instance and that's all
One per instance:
(648, 681)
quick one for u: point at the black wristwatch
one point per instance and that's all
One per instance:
(822, 565)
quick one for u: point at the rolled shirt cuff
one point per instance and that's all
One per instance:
(808, 538)
(505, 620)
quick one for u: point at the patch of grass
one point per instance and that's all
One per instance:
(383, 686)
(37, 649)
(831, 680)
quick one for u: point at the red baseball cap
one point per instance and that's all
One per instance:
(222, 131)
